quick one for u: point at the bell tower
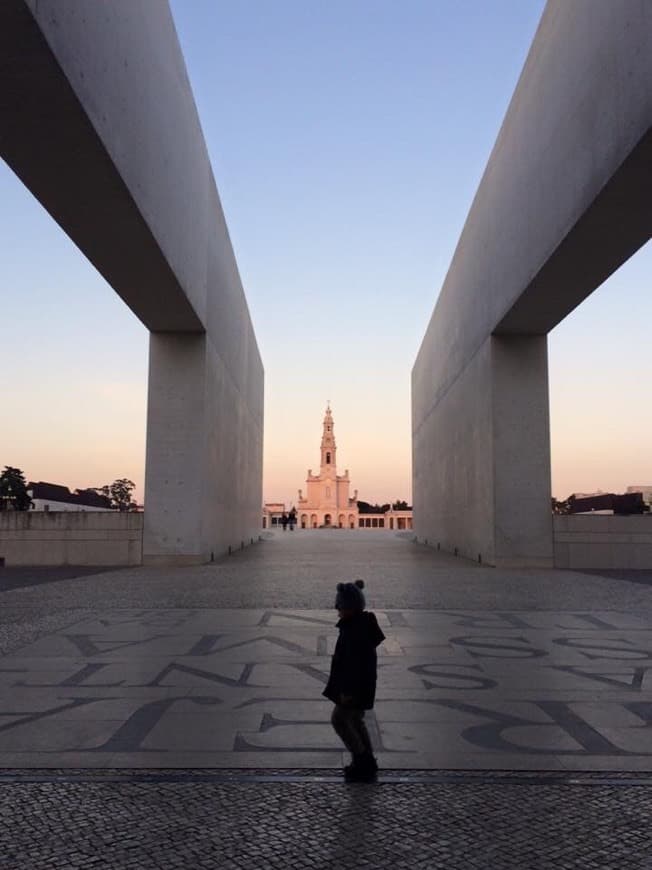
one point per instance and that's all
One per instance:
(327, 502)
(328, 448)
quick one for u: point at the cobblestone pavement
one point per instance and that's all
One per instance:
(473, 822)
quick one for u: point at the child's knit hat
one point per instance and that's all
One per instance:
(349, 596)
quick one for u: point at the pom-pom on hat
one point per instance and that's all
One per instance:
(349, 596)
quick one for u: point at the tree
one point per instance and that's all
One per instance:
(365, 508)
(119, 492)
(13, 490)
(101, 490)
(400, 506)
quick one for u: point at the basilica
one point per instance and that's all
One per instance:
(327, 501)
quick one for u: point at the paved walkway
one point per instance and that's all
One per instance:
(217, 666)
(242, 688)
(299, 569)
(221, 667)
(478, 823)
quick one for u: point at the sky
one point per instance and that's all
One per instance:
(347, 140)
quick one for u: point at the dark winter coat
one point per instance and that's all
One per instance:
(353, 668)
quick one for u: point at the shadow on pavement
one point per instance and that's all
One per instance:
(18, 577)
(643, 575)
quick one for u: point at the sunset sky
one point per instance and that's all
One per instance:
(347, 139)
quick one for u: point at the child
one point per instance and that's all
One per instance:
(352, 683)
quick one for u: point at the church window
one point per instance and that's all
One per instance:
(328, 459)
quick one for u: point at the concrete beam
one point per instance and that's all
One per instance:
(564, 201)
(98, 120)
(77, 148)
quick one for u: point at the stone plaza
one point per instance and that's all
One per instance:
(552, 679)
(157, 685)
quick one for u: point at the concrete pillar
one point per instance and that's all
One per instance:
(176, 440)
(481, 458)
(204, 454)
(520, 446)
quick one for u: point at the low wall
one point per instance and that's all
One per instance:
(71, 538)
(603, 542)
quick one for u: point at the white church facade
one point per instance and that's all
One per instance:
(327, 501)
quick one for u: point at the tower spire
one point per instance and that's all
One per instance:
(328, 448)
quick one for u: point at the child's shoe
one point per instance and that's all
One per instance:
(363, 769)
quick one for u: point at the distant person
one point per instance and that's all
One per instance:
(352, 682)
(292, 520)
(284, 521)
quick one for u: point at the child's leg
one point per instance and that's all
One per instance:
(345, 722)
(365, 766)
(361, 727)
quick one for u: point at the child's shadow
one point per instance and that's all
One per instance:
(356, 816)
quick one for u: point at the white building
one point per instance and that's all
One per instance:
(328, 504)
(393, 520)
(273, 514)
(327, 501)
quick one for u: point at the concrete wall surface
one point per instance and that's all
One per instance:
(98, 119)
(603, 542)
(564, 200)
(71, 538)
